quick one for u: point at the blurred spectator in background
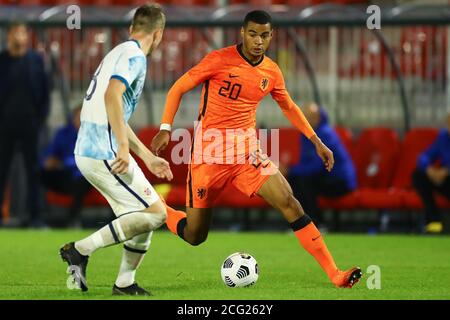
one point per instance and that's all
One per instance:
(24, 99)
(308, 177)
(59, 170)
(429, 178)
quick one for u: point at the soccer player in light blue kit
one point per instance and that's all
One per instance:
(102, 155)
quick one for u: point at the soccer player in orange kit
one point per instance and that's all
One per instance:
(235, 79)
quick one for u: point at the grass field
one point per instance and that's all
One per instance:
(412, 267)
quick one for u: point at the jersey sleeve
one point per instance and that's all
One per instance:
(292, 112)
(206, 68)
(128, 67)
(279, 92)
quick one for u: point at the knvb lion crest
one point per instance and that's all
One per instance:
(201, 193)
(264, 84)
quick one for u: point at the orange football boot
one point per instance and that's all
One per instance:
(347, 279)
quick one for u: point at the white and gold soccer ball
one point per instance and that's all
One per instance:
(239, 270)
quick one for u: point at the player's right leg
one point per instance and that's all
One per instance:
(263, 178)
(278, 193)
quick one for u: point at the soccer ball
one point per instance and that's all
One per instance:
(239, 270)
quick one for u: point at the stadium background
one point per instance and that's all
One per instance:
(388, 84)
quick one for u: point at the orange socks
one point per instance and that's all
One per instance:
(311, 239)
(173, 217)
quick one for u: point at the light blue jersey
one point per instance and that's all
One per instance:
(127, 63)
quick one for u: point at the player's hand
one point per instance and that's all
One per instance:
(327, 156)
(121, 162)
(160, 168)
(324, 153)
(160, 141)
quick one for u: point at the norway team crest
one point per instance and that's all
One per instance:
(147, 192)
(264, 84)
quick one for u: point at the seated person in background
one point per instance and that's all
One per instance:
(59, 171)
(309, 179)
(429, 178)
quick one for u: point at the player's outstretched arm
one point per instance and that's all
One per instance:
(176, 92)
(323, 152)
(114, 111)
(158, 166)
(295, 115)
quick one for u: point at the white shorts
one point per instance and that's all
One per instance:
(125, 193)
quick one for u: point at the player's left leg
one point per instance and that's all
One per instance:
(192, 226)
(205, 182)
(277, 192)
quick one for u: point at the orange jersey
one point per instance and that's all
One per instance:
(233, 88)
(232, 91)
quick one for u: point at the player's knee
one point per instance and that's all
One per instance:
(160, 217)
(197, 237)
(156, 212)
(140, 222)
(158, 206)
(287, 201)
(153, 220)
(141, 241)
(291, 204)
(198, 240)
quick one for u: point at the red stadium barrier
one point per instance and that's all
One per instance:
(375, 155)
(346, 137)
(385, 166)
(92, 199)
(415, 142)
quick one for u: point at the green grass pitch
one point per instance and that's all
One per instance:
(412, 267)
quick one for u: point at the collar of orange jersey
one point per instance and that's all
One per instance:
(239, 49)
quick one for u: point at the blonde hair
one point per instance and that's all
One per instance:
(148, 17)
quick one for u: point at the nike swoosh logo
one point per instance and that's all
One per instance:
(314, 239)
(233, 75)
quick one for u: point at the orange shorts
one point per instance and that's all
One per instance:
(206, 181)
